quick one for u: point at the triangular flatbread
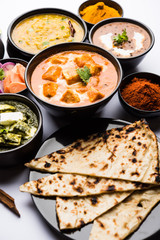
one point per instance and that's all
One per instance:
(75, 212)
(68, 185)
(128, 153)
(126, 217)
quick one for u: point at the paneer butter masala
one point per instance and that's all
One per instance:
(74, 78)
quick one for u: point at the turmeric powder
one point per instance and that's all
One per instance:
(98, 12)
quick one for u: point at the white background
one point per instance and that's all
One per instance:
(31, 225)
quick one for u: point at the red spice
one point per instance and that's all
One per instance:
(143, 94)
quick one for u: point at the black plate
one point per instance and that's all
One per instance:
(46, 207)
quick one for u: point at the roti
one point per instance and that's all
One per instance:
(68, 185)
(128, 153)
(75, 212)
(126, 217)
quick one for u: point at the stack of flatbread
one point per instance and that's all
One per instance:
(110, 178)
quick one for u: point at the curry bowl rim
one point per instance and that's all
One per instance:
(119, 75)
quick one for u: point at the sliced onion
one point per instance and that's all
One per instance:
(1, 65)
(8, 66)
(1, 87)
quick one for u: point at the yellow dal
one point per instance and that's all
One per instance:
(41, 31)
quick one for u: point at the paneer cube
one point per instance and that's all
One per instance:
(50, 89)
(95, 69)
(58, 60)
(52, 73)
(82, 60)
(94, 94)
(71, 75)
(70, 97)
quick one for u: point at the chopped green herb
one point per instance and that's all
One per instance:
(63, 18)
(20, 41)
(120, 38)
(3, 130)
(63, 27)
(84, 74)
(45, 43)
(2, 74)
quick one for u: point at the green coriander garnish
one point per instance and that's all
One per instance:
(20, 41)
(63, 27)
(45, 43)
(120, 38)
(84, 74)
(63, 18)
(2, 74)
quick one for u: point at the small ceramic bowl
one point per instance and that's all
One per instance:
(132, 61)
(135, 111)
(84, 110)
(15, 51)
(108, 3)
(16, 60)
(1, 48)
(25, 152)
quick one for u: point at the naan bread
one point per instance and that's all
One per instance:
(75, 212)
(126, 217)
(68, 185)
(128, 153)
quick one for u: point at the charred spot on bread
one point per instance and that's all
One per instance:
(47, 165)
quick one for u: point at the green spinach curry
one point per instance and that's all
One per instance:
(18, 124)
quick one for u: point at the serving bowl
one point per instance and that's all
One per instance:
(131, 61)
(1, 48)
(133, 110)
(25, 152)
(16, 51)
(59, 110)
(16, 60)
(108, 3)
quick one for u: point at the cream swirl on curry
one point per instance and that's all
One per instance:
(74, 78)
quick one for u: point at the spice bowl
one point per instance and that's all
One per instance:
(108, 3)
(146, 99)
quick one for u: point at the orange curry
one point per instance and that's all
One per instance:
(74, 78)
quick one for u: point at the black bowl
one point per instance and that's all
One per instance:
(71, 111)
(25, 152)
(16, 60)
(129, 62)
(135, 111)
(1, 48)
(109, 3)
(14, 51)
